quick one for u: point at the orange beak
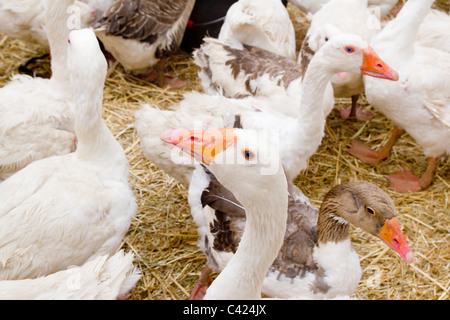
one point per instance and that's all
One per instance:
(375, 67)
(392, 235)
(203, 145)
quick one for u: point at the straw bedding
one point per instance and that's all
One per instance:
(163, 235)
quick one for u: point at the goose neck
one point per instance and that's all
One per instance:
(402, 31)
(314, 84)
(58, 33)
(263, 237)
(95, 141)
(330, 226)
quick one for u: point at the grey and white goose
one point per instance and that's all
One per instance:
(253, 71)
(317, 259)
(139, 34)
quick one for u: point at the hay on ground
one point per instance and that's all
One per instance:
(163, 235)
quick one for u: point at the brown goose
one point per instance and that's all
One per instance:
(317, 259)
(138, 33)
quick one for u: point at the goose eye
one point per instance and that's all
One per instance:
(326, 38)
(349, 49)
(248, 154)
(370, 211)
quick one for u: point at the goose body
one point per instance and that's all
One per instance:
(100, 6)
(252, 71)
(264, 24)
(313, 6)
(344, 16)
(309, 6)
(433, 31)
(25, 19)
(419, 103)
(139, 33)
(65, 210)
(317, 259)
(38, 114)
(103, 278)
(305, 130)
(238, 161)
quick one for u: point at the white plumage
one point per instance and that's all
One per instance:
(342, 269)
(433, 31)
(420, 101)
(312, 6)
(25, 19)
(37, 114)
(65, 210)
(264, 24)
(103, 278)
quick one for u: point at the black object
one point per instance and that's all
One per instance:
(206, 20)
(31, 67)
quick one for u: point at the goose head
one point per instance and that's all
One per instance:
(368, 207)
(350, 53)
(237, 158)
(321, 35)
(246, 156)
(85, 55)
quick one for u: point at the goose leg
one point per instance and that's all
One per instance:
(370, 156)
(156, 75)
(356, 112)
(204, 281)
(405, 181)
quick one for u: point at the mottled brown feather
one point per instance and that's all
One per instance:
(306, 54)
(228, 214)
(146, 20)
(255, 62)
(296, 255)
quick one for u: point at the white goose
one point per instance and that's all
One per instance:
(37, 114)
(238, 159)
(103, 278)
(139, 33)
(360, 17)
(433, 31)
(264, 24)
(316, 259)
(26, 20)
(419, 103)
(346, 16)
(252, 71)
(309, 6)
(304, 132)
(312, 6)
(65, 210)
(100, 6)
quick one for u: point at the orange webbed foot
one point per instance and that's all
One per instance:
(365, 154)
(404, 181)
